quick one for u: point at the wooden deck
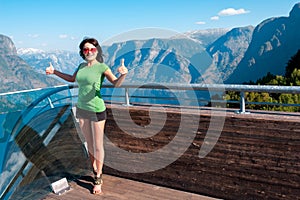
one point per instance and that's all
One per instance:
(256, 157)
(120, 188)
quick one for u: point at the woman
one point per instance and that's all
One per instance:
(90, 109)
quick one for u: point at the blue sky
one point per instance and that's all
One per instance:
(61, 24)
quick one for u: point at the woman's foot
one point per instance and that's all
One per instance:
(98, 185)
(97, 189)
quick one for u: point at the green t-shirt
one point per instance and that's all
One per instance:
(89, 79)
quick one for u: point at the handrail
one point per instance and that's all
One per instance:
(197, 87)
(32, 90)
(210, 87)
(216, 88)
(34, 103)
(18, 124)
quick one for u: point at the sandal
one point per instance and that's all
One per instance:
(98, 182)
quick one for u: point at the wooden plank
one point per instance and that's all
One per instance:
(256, 156)
(120, 188)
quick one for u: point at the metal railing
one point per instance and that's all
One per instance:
(215, 88)
(49, 102)
(212, 88)
(44, 102)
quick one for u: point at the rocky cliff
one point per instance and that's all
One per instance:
(15, 73)
(273, 43)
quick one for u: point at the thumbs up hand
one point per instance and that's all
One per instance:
(122, 69)
(50, 69)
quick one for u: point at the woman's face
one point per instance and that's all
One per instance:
(90, 52)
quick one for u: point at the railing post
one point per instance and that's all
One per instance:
(242, 104)
(50, 102)
(127, 103)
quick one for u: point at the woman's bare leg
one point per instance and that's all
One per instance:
(87, 131)
(98, 129)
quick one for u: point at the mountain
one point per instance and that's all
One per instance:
(29, 51)
(65, 61)
(214, 55)
(207, 36)
(273, 43)
(181, 58)
(15, 73)
(160, 60)
(227, 51)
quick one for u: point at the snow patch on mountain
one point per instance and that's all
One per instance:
(28, 51)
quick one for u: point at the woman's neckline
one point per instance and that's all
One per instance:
(87, 64)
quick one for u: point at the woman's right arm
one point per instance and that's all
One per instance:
(66, 77)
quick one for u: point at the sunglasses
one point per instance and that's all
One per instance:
(87, 50)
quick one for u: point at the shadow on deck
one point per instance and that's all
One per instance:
(121, 189)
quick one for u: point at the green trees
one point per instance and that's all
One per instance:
(293, 63)
(291, 78)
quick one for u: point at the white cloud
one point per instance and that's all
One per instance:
(226, 12)
(33, 35)
(232, 11)
(200, 23)
(215, 18)
(12, 166)
(63, 36)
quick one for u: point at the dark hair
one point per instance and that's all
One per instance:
(93, 41)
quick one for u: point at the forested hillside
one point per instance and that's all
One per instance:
(290, 78)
